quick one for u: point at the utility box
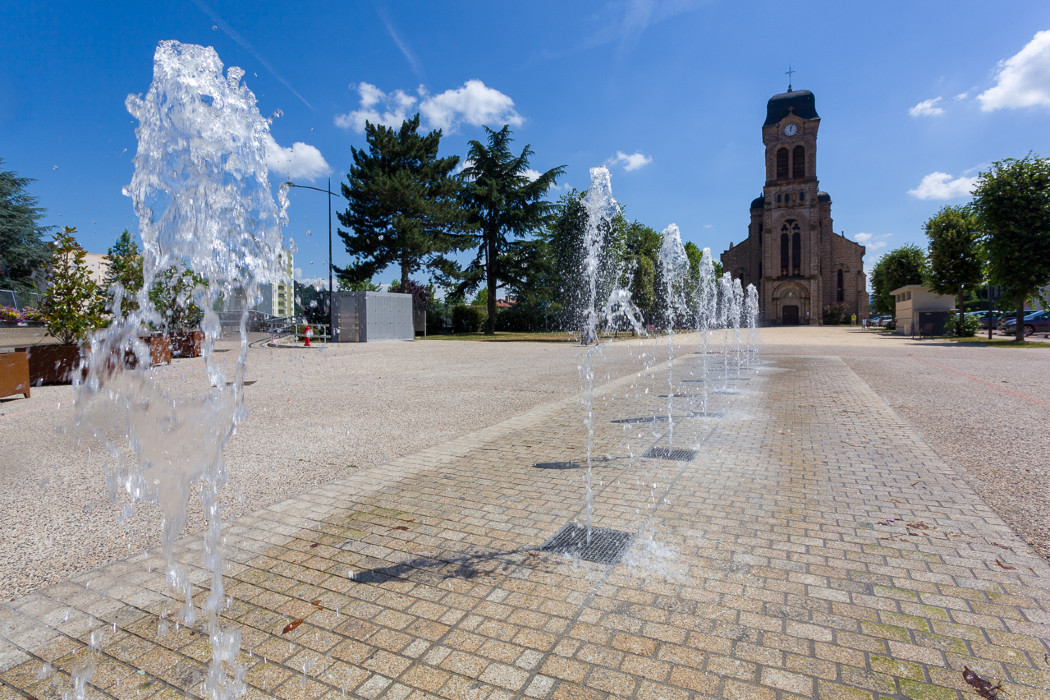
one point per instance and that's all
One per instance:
(368, 317)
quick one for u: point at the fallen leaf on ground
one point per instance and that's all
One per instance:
(919, 525)
(400, 527)
(316, 603)
(314, 545)
(292, 625)
(984, 688)
(1005, 566)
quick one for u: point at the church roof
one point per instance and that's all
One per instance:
(800, 102)
(823, 196)
(758, 202)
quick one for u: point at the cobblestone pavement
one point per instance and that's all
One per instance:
(782, 555)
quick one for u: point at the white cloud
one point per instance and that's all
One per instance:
(300, 162)
(926, 108)
(962, 95)
(474, 103)
(377, 107)
(1023, 80)
(872, 242)
(630, 162)
(941, 186)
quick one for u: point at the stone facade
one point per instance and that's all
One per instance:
(800, 266)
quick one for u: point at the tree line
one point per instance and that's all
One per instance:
(411, 209)
(1001, 238)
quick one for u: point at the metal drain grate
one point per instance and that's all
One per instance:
(641, 419)
(664, 453)
(556, 465)
(606, 546)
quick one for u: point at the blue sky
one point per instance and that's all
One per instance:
(915, 98)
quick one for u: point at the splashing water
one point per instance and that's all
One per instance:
(751, 319)
(725, 320)
(706, 313)
(738, 308)
(674, 270)
(608, 305)
(203, 198)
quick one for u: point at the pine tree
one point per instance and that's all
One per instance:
(504, 205)
(402, 206)
(23, 250)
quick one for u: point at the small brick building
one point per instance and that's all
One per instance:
(800, 266)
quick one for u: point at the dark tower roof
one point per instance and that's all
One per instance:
(799, 102)
(823, 196)
(758, 202)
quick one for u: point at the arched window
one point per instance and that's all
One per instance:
(782, 164)
(784, 248)
(798, 165)
(801, 196)
(796, 250)
(779, 198)
(841, 293)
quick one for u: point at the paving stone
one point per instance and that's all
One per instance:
(791, 558)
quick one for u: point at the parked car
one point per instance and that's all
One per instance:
(1035, 322)
(986, 318)
(879, 321)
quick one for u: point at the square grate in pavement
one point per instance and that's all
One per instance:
(665, 453)
(606, 546)
(640, 419)
(556, 465)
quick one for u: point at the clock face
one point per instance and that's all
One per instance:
(790, 130)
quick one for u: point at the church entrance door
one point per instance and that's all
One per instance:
(790, 316)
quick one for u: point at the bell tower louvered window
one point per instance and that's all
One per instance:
(798, 162)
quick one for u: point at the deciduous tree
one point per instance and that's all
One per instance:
(954, 253)
(904, 265)
(124, 271)
(1012, 201)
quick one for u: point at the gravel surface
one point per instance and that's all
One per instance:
(315, 415)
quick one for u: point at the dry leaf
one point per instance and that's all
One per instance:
(292, 625)
(1005, 566)
(984, 688)
(400, 527)
(314, 545)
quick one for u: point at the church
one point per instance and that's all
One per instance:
(804, 272)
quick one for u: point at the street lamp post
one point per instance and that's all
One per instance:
(331, 289)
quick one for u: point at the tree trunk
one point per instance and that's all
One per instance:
(959, 302)
(490, 275)
(1019, 320)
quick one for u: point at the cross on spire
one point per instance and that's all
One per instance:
(789, 73)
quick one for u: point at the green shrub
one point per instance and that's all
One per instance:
(467, 319)
(73, 304)
(967, 329)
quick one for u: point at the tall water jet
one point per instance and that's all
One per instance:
(706, 313)
(674, 271)
(738, 309)
(204, 202)
(751, 320)
(607, 304)
(725, 320)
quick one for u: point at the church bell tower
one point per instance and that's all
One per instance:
(803, 271)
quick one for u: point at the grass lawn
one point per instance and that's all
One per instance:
(1002, 341)
(508, 336)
